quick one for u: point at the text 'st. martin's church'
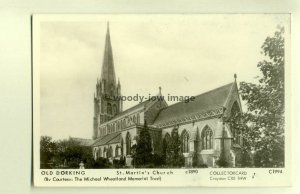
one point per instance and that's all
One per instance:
(201, 124)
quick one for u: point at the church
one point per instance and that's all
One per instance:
(202, 124)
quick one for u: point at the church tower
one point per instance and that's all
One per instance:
(106, 101)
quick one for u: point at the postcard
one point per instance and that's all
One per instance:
(161, 100)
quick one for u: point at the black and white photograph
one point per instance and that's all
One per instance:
(161, 93)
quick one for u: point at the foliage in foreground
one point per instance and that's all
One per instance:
(64, 154)
(263, 128)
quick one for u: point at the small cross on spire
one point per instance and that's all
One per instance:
(235, 76)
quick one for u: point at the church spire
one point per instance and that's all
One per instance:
(108, 70)
(105, 106)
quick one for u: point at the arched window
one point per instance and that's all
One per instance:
(119, 127)
(234, 119)
(101, 106)
(122, 146)
(185, 142)
(99, 153)
(110, 152)
(138, 118)
(152, 145)
(114, 110)
(128, 144)
(134, 119)
(207, 138)
(112, 89)
(109, 108)
(123, 123)
(95, 153)
(108, 128)
(166, 143)
(116, 151)
(104, 153)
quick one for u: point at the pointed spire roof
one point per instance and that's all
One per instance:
(108, 70)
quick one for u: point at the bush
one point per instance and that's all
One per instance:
(119, 163)
(158, 160)
(202, 166)
(102, 163)
(195, 160)
(122, 161)
(174, 157)
(222, 162)
(143, 152)
(246, 160)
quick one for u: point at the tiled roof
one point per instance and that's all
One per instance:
(145, 104)
(131, 109)
(108, 139)
(117, 139)
(202, 103)
(83, 142)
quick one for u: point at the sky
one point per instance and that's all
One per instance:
(185, 55)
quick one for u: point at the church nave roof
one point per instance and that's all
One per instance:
(204, 102)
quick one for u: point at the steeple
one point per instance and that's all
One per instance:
(105, 106)
(108, 70)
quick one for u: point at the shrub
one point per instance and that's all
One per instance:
(158, 160)
(102, 163)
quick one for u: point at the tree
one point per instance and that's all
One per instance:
(264, 129)
(100, 163)
(195, 161)
(242, 134)
(246, 159)
(174, 156)
(65, 154)
(71, 153)
(222, 161)
(47, 151)
(143, 154)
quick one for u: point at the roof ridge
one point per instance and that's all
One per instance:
(200, 94)
(99, 139)
(203, 102)
(215, 89)
(229, 93)
(114, 135)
